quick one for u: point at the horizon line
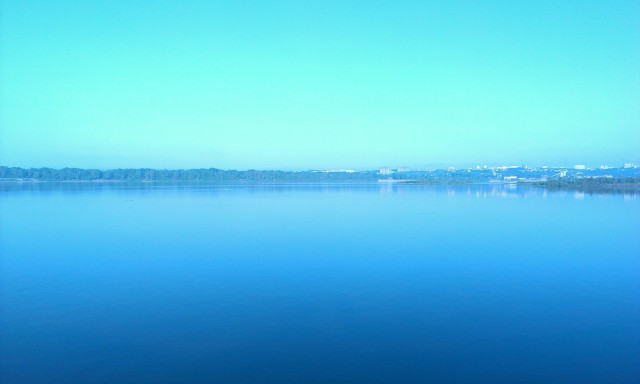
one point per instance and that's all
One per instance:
(346, 169)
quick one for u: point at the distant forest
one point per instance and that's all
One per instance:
(219, 175)
(593, 183)
(594, 179)
(188, 175)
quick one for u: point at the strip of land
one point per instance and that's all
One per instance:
(610, 179)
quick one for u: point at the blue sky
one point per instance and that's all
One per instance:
(325, 84)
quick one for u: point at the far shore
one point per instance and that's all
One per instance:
(620, 185)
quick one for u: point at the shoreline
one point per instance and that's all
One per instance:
(616, 185)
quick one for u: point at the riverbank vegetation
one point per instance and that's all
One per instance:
(593, 184)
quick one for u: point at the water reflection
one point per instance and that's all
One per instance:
(478, 191)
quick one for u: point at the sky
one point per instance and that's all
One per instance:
(318, 84)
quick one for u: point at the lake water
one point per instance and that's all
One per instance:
(317, 284)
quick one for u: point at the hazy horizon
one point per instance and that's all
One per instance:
(429, 167)
(319, 85)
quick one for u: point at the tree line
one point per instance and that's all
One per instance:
(147, 174)
(593, 183)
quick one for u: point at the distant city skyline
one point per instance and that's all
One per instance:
(319, 85)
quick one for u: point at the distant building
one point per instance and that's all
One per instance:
(510, 179)
(629, 165)
(403, 169)
(505, 167)
(562, 173)
(338, 171)
(605, 167)
(579, 166)
(451, 169)
(385, 171)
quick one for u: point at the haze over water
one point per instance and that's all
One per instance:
(317, 284)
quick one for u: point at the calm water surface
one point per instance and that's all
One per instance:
(317, 284)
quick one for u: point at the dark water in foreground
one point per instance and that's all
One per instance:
(318, 284)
